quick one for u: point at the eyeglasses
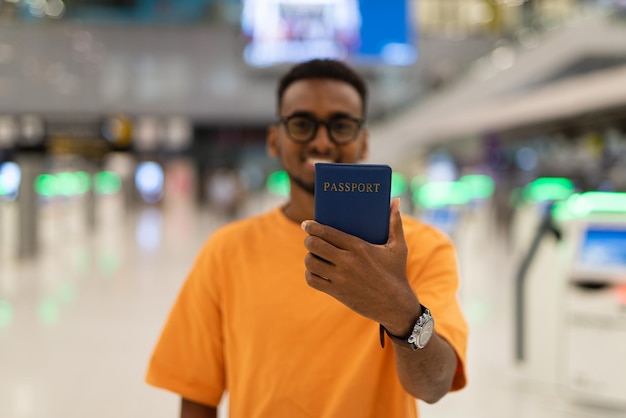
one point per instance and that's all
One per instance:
(341, 129)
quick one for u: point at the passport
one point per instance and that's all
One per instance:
(354, 198)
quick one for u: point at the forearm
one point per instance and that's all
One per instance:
(427, 374)
(191, 409)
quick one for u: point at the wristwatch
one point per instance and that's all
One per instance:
(419, 336)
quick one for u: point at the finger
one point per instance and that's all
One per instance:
(318, 266)
(329, 234)
(318, 282)
(396, 232)
(321, 248)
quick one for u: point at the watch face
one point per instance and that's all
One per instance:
(427, 332)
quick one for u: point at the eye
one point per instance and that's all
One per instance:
(300, 125)
(344, 126)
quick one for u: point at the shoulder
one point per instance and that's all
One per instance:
(240, 231)
(242, 227)
(415, 229)
(426, 244)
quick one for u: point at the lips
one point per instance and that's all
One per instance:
(312, 161)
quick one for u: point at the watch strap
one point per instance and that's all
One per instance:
(402, 340)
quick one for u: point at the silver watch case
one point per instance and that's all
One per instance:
(422, 331)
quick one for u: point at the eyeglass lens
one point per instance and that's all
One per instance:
(340, 129)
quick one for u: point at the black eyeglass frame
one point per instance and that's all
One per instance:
(284, 120)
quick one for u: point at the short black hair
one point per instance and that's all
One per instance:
(323, 68)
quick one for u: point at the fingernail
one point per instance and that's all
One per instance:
(303, 225)
(396, 201)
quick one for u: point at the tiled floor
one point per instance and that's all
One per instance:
(78, 323)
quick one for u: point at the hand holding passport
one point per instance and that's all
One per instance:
(354, 198)
(369, 279)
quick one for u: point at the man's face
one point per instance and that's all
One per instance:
(322, 99)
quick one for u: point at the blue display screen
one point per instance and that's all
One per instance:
(386, 33)
(364, 32)
(604, 247)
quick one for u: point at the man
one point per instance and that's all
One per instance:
(288, 315)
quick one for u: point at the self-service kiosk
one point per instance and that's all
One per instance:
(574, 316)
(592, 346)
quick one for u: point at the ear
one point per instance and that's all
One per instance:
(364, 144)
(271, 142)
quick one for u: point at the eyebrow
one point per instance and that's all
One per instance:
(331, 116)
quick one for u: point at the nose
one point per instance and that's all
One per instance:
(321, 141)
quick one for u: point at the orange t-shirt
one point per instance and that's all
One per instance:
(246, 322)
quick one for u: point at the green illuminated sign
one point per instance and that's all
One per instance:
(479, 186)
(65, 183)
(442, 193)
(548, 189)
(84, 181)
(597, 202)
(581, 205)
(107, 182)
(47, 185)
(417, 182)
(68, 184)
(399, 184)
(278, 183)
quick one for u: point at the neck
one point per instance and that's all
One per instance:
(301, 206)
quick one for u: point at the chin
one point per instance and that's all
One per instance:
(307, 187)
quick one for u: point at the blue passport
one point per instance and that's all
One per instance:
(354, 198)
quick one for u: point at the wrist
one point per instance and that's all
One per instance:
(418, 337)
(403, 324)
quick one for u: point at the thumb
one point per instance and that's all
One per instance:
(396, 233)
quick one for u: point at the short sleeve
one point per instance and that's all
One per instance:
(188, 358)
(433, 271)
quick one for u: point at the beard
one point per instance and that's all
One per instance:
(307, 187)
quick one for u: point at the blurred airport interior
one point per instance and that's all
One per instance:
(130, 130)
